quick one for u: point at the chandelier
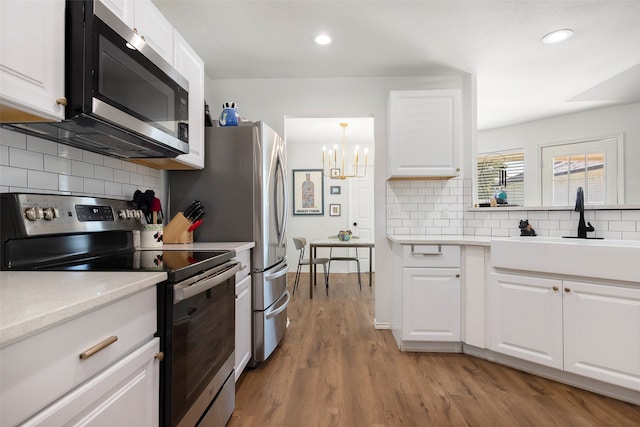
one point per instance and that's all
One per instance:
(334, 171)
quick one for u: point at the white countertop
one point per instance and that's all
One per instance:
(210, 246)
(447, 239)
(31, 301)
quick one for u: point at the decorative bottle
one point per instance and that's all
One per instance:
(229, 115)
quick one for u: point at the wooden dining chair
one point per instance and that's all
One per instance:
(300, 244)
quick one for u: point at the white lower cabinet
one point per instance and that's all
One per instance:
(243, 313)
(100, 369)
(431, 304)
(125, 394)
(426, 297)
(579, 327)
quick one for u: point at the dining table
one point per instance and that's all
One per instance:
(335, 242)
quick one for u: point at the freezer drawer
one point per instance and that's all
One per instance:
(269, 328)
(269, 286)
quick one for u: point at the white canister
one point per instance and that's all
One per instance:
(151, 236)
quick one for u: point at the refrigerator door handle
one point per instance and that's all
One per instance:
(275, 275)
(285, 202)
(280, 309)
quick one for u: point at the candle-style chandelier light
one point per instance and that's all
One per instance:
(334, 171)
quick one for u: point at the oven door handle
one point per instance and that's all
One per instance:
(188, 291)
(280, 309)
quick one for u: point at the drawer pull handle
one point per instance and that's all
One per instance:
(96, 348)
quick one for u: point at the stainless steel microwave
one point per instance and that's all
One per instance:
(123, 99)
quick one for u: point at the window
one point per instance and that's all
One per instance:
(501, 172)
(592, 165)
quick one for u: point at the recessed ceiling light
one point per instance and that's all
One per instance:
(557, 36)
(322, 39)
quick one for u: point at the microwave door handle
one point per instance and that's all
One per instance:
(281, 272)
(280, 309)
(182, 293)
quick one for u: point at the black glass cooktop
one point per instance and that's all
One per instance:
(179, 265)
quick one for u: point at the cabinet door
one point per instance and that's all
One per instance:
(431, 304)
(602, 332)
(126, 394)
(243, 325)
(154, 27)
(424, 133)
(189, 64)
(32, 60)
(526, 318)
(123, 9)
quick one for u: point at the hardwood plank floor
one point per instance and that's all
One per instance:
(334, 369)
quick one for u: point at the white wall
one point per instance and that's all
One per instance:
(271, 100)
(612, 121)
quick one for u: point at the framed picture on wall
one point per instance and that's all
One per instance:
(334, 210)
(335, 171)
(308, 192)
(335, 189)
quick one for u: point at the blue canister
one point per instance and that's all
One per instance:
(229, 115)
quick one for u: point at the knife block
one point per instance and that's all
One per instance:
(177, 231)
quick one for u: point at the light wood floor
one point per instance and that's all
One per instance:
(334, 369)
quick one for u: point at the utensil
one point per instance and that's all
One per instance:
(195, 225)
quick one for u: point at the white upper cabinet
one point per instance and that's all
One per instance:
(146, 20)
(425, 133)
(32, 60)
(188, 63)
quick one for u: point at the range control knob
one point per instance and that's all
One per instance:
(137, 214)
(50, 213)
(122, 214)
(34, 213)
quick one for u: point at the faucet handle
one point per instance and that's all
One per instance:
(589, 227)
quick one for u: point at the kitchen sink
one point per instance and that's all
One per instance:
(597, 258)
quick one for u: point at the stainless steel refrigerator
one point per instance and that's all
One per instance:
(243, 188)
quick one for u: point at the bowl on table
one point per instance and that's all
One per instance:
(345, 236)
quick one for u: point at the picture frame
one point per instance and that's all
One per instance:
(308, 192)
(334, 209)
(335, 189)
(335, 172)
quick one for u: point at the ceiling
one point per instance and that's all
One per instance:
(519, 78)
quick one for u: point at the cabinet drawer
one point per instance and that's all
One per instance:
(430, 255)
(38, 370)
(244, 258)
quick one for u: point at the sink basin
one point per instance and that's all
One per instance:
(597, 258)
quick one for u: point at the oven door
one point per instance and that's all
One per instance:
(198, 328)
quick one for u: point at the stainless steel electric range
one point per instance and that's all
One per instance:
(196, 305)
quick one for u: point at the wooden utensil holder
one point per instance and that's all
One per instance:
(177, 231)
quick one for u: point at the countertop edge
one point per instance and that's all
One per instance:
(210, 246)
(410, 239)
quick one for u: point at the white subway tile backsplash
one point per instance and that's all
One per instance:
(13, 177)
(441, 194)
(42, 180)
(94, 186)
(93, 158)
(68, 152)
(57, 164)
(73, 184)
(85, 170)
(31, 164)
(136, 179)
(25, 159)
(42, 145)
(104, 173)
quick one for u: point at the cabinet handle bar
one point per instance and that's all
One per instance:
(98, 347)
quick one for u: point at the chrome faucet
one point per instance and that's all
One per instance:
(582, 227)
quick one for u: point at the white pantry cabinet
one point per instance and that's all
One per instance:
(425, 133)
(584, 327)
(32, 39)
(243, 313)
(148, 22)
(102, 366)
(426, 303)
